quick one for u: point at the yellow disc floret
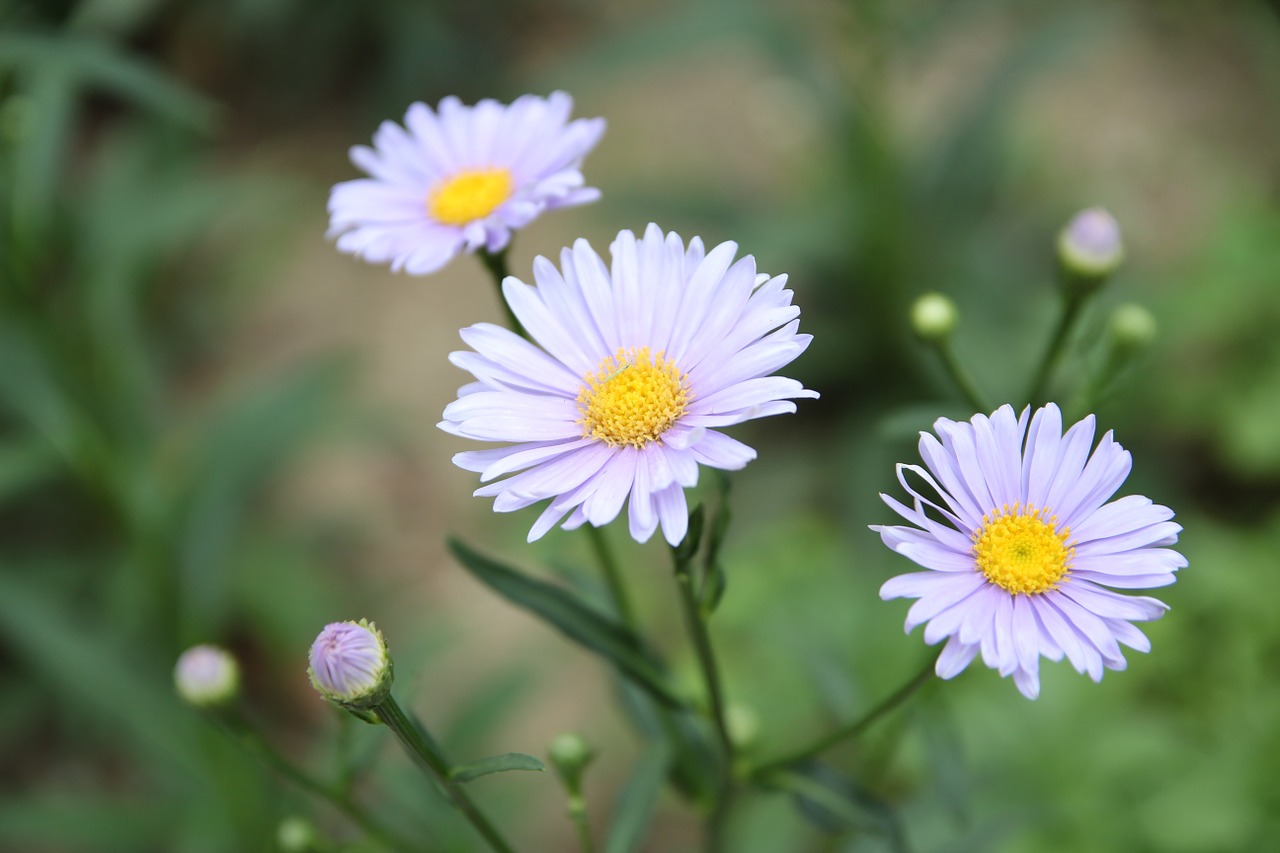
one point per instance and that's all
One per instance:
(469, 195)
(633, 398)
(1021, 550)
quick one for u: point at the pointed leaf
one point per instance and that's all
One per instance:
(635, 804)
(837, 804)
(495, 764)
(565, 612)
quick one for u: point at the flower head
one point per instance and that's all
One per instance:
(1023, 543)
(461, 177)
(206, 676)
(350, 665)
(633, 370)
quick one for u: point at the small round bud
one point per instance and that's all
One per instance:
(1090, 248)
(743, 724)
(933, 317)
(350, 665)
(207, 676)
(1131, 327)
(570, 755)
(296, 835)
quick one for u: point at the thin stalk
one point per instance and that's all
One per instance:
(855, 728)
(1073, 303)
(254, 743)
(697, 627)
(496, 264)
(960, 376)
(612, 576)
(427, 755)
(578, 814)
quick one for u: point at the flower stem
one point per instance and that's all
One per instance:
(253, 742)
(578, 814)
(855, 728)
(697, 627)
(1073, 302)
(612, 576)
(960, 376)
(496, 264)
(427, 755)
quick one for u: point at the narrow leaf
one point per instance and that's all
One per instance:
(495, 764)
(837, 804)
(571, 617)
(635, 803)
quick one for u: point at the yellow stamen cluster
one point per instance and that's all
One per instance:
(1021, 550)
(633, 398)
(469, 195)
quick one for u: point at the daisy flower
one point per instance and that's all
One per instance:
(633, 369)
(1023, 545)
(461, 177)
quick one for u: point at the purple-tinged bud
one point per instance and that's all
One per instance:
(350, 665)
(207, 676)
(1090, 248)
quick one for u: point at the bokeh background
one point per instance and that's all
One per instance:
(213, 427)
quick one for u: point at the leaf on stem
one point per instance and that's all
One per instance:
(836, 803)
(564, 611)
(495, 764)
(635, 804)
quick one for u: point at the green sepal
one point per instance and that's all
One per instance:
(495, 764)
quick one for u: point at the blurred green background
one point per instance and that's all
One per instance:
(215, 428)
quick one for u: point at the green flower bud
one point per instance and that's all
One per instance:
(570, 755)
(1090, 248)
(743, 724)
(296, 835)
(1131, 327)
(351, 666)
(207, 677)
(933, 317)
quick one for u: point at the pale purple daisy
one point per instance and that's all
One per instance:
(633, 369)
(1023, 543)
(461, 177)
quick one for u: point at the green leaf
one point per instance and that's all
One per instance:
(495, 764)
(635, 805)
(837, 804)
(575, 620)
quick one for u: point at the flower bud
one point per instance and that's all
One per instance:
(570, 755)
(1089, 248)
(933, 317)
(1131, 327)
(743, 724)
(207, 676)
(350, 665)
(296, 835)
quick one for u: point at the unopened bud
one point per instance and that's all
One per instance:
(207, 676)
(743, 724)
(1090, 248)
(350, 665)
(1131, 327)
(296, 835)
(933, 317)
(570, 755)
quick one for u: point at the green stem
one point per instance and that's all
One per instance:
(427, 755)
(578, 814)
(697, 627)
(496, 264)
(612, 576)
(241, 730)
(1073, 303)
(855, 728)
(962, 378)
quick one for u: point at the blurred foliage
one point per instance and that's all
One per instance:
(136, 474)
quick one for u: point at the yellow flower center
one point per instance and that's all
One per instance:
(1021, 550)
(469, 195)
(632, 399)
